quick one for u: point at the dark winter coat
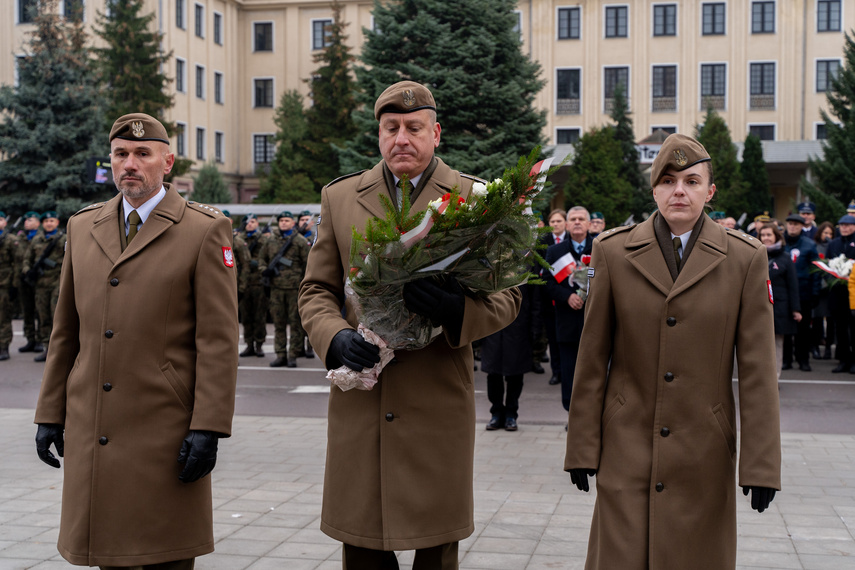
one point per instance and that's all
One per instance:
(508, 352)
(785, 290)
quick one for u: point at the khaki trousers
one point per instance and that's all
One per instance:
(176, 565)
(442, 557)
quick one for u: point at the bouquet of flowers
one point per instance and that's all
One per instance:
(839, 267)
(566, 267)
(486, 241)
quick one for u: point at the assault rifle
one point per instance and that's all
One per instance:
(31, 276)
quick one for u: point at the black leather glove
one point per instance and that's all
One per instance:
(442, 304)
(46, 435)
(579, 477)
(760, 497)
(268, 273)
(199, 455)
(348, 348)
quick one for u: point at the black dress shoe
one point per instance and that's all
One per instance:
(787, 366)
(279, 362)
(494, 423)
(827, 354)
(537, 368)
(511, 424)
(29, 347)
(814, 352)
(248, 351)
(554, 380)
(842, 367)
(544, 358)
(805, 367)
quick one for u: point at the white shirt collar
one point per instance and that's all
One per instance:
(414, 180)
(145, 209)
(684, 238)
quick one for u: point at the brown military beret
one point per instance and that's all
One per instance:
(404, 97)
(138, 127)
(678, 152)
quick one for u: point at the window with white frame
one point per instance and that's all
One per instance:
(821, 131)
(616, 21)
(763, 132)
(263, 34)
(321, 33)
(826, 71)
(569, 23)
(218, 146)
(762, 86)
(179, 14)
(200, 143)
(612, 77)
(263, 92)
(664, 19)
(668, 129)
(200, 82)
(218, 28)
(20, 60)
(263, 149)
(763, 17)
(713, 19)
(567, 136)
(180, 75)
(218, 88)
(27, 10)
(568, 89)
(180, 139)
(72, 10)
(199, 22)
(664, 88)
(518, 24)
(828, 16)
(713, 86)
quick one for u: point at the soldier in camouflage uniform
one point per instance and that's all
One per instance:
(8, 265)
(42, 266)
(26, 293)
(253, 304)
(307, 228)
(284, 268)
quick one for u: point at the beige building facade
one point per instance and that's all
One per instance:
(764, 65)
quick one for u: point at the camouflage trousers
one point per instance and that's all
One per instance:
(283, 307)
(46, 297)
(253, 313)
(27, 296)
(5, 318)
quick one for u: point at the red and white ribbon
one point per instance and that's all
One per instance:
(421, 230)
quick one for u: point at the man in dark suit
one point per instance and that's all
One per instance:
(557, 221)
(567, 294)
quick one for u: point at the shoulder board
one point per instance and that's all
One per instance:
(89, 207)
(471, 177)
(613, 232)
(739, 234)
(205, 209)
(340, 178)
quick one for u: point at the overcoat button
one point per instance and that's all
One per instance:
(660, 487)
(102, 440)
(671, 321)
(669, 377)
(114, 281)
(390, 416)
(109, 334)
(107, 387)
(664, 432)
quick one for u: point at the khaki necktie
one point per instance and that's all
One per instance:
(678, 243)
(134, 221)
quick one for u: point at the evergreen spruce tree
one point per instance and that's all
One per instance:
(595, 179)
(51, 121)
(286, 180)
(470, 57)
(731, 195)
(833, 184)
(333, 102)
(642, 199)
(756, 178)
(210, 187)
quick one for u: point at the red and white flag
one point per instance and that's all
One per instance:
(563, 267)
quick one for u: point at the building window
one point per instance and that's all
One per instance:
(27, 10)
(179, 14)
(821, 132)
(826, 71)
(612, 77)
(321, 33)
(762, 17)
(200, 82)
(180, 75)
(518, 24)
(616, 18)
(264, 93)
(713, 19)
(568, 23)
(73, 10)
(568, 84)
(263, 36)
(828, 16)
(567, 136)
(263, 149)
(218, 146)
(762, 86)
(664, 88)
(218, 28)
(763, 132)
(200, 143)
(665, 20)
(180, 142)
(713, 86)
(200, 21)
(218, 87)
(669, 130)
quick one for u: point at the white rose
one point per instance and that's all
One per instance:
(498, 181)
(479, 189)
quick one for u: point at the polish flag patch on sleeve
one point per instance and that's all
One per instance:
(229, 258)
(769, 287)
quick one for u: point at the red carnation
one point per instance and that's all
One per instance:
(586, 259)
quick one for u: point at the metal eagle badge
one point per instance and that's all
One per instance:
(409, 97)
(680, 157)
(137, 128)
(228, 257)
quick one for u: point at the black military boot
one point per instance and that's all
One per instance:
(29, 347)
(39, 347)
(249, 350)
(4, 353)
(41, 357)
(279, 362)
(310, 353)
(292, 362)
(259, 352)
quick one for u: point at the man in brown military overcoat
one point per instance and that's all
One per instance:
(671, 300)
(140, 377)
(400, 456)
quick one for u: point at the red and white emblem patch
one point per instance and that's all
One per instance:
(769, 286)
(228, 257)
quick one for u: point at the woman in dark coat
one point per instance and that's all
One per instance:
(506, 357)
(785, 288)
(822, 327)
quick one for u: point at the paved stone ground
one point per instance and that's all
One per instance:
(267, 499)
